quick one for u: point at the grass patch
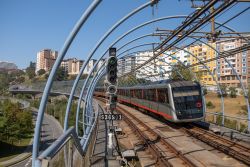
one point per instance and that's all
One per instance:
(232, 106)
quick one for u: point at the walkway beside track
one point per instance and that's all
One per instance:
(98, 158)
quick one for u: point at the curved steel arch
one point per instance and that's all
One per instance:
(125, 34)
(142, 25)
(117, 24)
(215, 79)
(154, 21)
(48, 86)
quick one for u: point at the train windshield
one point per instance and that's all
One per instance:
(188, 102)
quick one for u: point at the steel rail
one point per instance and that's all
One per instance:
(159, 155)
(127, 33)
(231, 148)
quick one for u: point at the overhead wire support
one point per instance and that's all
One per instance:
(202, 21)
(196, 15)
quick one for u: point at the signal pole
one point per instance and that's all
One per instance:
(213, 34)
(111, 90)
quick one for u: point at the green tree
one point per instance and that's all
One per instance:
(210, 105)
(61, 74)
(30, 71)
(223, 91)
(17, 122)
(205, 91)
(4, 81)
(185, 72)
(233, 92)
(41, 72)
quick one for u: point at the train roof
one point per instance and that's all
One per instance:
(163, 85)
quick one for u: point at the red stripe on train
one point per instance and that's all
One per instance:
(149, 109)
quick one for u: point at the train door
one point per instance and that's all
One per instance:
(163, 101)
(152, 99)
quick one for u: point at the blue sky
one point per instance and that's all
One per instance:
(28, 26)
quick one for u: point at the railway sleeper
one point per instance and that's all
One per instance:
(226, 149)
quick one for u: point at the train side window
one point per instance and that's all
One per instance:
(163, 95)
(151, 95)
(145, 94)
(131, 93)
(138, 93)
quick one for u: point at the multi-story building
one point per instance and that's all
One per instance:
(126, 64)
(89, 66)
(46, 59)
(72, 66)
(173, 56)
(65, 65)
(239, 61)
(203, 52)
(150, 70)
(100, 64)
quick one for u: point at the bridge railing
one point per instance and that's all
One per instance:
(69, 149)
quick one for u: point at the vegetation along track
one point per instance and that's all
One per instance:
(162, 149)
(237, 151)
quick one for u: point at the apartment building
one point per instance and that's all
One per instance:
(126, 64)
(72, 66)
(46, 59)
(204, 52)
(239, 61)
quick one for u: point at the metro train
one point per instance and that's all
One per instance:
(176, 101)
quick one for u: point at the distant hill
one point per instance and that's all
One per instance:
(7, 66)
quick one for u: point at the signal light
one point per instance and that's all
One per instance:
(112, 89)
(112, 67)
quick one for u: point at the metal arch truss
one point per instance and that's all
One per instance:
(89, 117)
(72, 35)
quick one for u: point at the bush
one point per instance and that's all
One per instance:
(233, 92)
(243, 127)
(210, 105)
(41, 72)
(205, 91)
(223, 91)
(232, 124)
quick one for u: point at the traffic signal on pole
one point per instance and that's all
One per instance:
(112, 67)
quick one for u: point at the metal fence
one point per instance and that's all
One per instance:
(232, 122)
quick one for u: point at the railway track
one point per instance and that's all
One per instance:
(237, 151)
(162, 149)
(151, 138)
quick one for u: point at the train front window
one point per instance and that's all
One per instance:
(187, 102)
